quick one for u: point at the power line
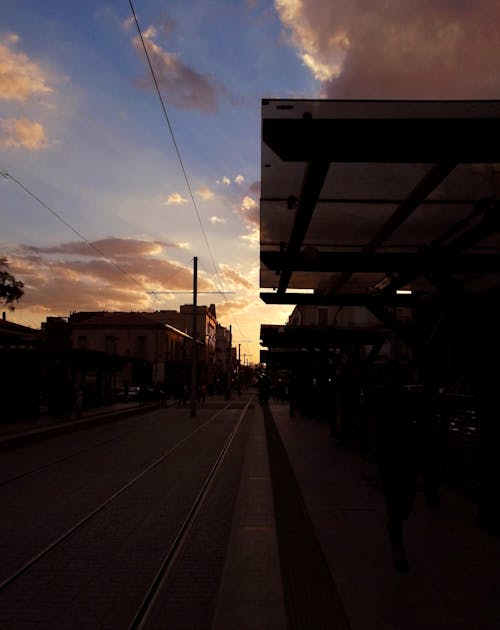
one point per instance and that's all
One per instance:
(7, 175)
(189, 292)
(173, 137)
(69, 226)
(165, 113)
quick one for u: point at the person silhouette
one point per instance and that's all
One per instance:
(397, 458)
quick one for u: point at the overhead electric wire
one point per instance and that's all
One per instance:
(69, 226)
(176, 147)
(177, 150)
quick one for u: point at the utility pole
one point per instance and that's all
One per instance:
(194, 388)
(230, 358)
(194, 335)
(239, 367)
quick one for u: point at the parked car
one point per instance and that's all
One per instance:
(128, 394)
(132, 394)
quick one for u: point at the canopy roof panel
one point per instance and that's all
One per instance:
(355, 192)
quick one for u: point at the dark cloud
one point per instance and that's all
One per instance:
(398, 48)
(166, 24)
(254, 189)
(185, 86)
(111, 247)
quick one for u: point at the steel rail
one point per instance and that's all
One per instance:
(25, 567)
(32, 471)
(147, 605)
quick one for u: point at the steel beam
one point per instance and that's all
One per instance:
(424, 188)
(414, 263)
(314, 179)
(337, 299)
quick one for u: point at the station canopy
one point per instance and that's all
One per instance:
(363, 199)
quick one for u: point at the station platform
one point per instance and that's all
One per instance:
(314, 552)
(454, 576)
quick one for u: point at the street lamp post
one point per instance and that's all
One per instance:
(195, 334)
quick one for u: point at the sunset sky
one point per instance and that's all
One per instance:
(82, 129)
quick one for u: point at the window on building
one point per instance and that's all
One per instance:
(81, 342)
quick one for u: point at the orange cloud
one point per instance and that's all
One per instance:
(324, 59)
(205, 194)
(226, 181)
(83, 281)
(175, 198)
(60, 280)
(22, 133)
(215, 219)
(235, 278)
(249, 209)
(229, 308)
(20, 78)
(253, 236)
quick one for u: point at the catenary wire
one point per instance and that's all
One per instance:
(177, 150)
(8, 175)
(90, 243)
(69, 226)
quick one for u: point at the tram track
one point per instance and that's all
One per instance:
(81, 451)
(147, 605)
(169, 560)
(60, 460)
(103, 505)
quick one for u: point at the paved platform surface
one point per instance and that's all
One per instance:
(454, 581)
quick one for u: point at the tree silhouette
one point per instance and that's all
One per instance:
(11, 290)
